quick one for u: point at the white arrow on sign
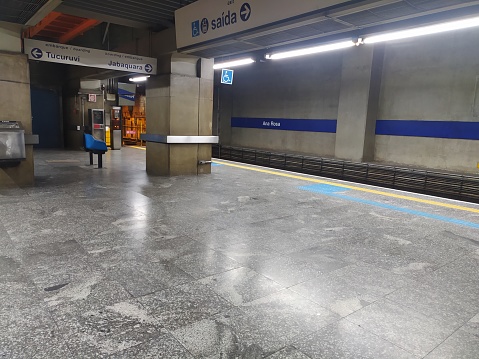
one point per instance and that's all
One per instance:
(37, 53)
(245, 12)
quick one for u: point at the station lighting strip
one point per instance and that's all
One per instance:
(397, 35)
(139, 79)
(235, 63)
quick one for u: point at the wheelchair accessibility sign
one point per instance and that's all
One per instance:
(195, 28)
(227, 77)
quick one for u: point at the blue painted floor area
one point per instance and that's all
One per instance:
(216, 164)
(335, 191)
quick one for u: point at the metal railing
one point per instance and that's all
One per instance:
(454, 186)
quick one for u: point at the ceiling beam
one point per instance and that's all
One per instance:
(85, 26)
(44, 11)
(102, 17)
(34, 30)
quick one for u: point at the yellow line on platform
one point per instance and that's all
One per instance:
(138, 148)
(367, 190)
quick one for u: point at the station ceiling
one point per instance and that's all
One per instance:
(154, 14)
(357, 17)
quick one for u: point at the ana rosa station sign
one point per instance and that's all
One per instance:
(82, 56)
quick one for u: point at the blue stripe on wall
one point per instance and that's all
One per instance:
(435, 129)
(328, 126)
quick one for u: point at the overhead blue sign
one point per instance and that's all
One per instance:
(227, 77)
(127, 95)
(285, 124)
(226, 18)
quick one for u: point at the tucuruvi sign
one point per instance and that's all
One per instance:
(83, 56)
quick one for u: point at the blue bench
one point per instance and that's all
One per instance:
(94, 146)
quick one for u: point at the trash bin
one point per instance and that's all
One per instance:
(12, 143)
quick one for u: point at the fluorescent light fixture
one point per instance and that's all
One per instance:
(311, 50)
(424, 30)
(139, 79)
(225, 65)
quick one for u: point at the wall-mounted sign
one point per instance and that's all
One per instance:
(91, 98)
(286, 124)
(227, 77)
(126, 94)
(82, 56)
(206, 20)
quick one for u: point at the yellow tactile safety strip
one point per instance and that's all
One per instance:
(138, 147)
(308, 179)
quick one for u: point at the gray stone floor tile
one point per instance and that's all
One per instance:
(271, 323)
(100, 332)
(345, 340)
(210, 338)
(250, 253)
(215, 252)
(162, 347)
(289, 353)
(172, 249)
(326, 259)
(28, 330)
(472, 326)
(412, 331)
(182, 305)
(10, 270)
(351, 288)
(141, 277)
(461, 275)
(38, 342)
(287, 271)
(58, 271)
(205, 263)
(241, 285)
(460, 345)
(89, 291)
(18, 295)
(442, 303)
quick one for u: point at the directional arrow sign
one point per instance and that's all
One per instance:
(245, 12)
(37, 53)
(148, 68)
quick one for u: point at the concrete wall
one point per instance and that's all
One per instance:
(435, 78)
(431, 78)
(10, 39)
(15, 106)
(301, 88)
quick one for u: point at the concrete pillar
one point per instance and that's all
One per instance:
(15, 101)
(179, 103)
(359, 102)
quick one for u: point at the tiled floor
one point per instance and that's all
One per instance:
(111, 263)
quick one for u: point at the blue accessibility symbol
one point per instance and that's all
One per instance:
(227, 77)
(37, 53)
(245, 12)
(148, 68)
(195, 28)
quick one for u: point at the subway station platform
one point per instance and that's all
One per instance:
(247, 262)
